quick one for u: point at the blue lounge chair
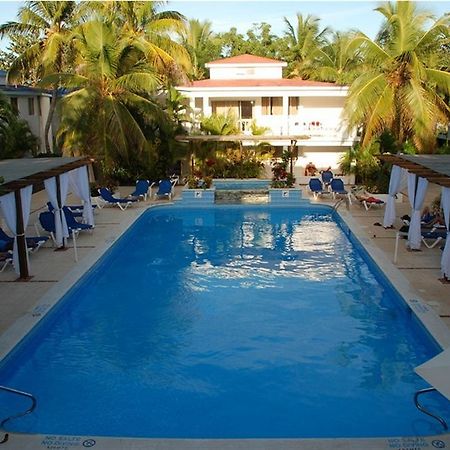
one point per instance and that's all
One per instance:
(165, 189)
(72, 223)
(338, 188)
(33, 242)
(122, 203)
(76, 213)
(327, 176)
(77, 210)
(432, 237)
(316, 187)
(141, 190)
(47, 221)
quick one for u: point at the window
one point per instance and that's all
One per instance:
(14, 105)
(293, 106)
(31, 106)
(272, 106)
(199, 103)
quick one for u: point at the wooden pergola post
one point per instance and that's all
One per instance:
(21, 240)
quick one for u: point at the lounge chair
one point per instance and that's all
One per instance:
(338, 188)
(174, 179)
(5, 260)
(47, 221)
(33, 242)
(122, 203)
(77, 210)
(72, 223)
(368, 201)
(431, 236)
(316, 187)
(327, 177)
(141, 189)
(165, 189)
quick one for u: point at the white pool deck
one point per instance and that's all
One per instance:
(23, 304)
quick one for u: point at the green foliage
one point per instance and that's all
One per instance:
(281, 177)
(16, 139)
(236, 163)
(400, 86)
(444, 150)
(218, 124)
(257, 130)
(202, 44)
(367, 168)
(199, 182)
(305, 39)
(109, 92)
(259, 41)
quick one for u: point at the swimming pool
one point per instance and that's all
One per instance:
(241, 185)
(222, 323)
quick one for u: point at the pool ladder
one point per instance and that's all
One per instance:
(28, 411)
(425, 411)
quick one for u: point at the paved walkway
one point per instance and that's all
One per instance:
(51, 269)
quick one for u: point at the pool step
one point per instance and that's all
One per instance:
(251, 197)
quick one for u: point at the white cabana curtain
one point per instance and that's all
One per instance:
(79, 182)
(8, 207)
(61, 230)
(445, 260)
(416, 199)
(395, 183)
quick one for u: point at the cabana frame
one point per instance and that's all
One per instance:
(20, 173)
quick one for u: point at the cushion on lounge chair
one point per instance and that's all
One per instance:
(141, 190)
(33, 242)
(316, 187)
(164, 189)
(122, 203)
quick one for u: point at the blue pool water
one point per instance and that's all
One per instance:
(227, 322)
(237, 185)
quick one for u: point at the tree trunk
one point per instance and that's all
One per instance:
(49, 120)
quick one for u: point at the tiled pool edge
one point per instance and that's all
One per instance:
(427, 316)
(41, 442)
(21, 327)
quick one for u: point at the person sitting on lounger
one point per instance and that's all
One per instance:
(310, 170)
(428, 218)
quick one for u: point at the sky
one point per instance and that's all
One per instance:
(242, 14)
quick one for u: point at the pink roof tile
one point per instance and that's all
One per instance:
(294, 82)
(246, 59)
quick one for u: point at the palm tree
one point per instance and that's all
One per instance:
(111, 88)
(151, 32)
(400, 89)
(305, 40)
(338, 61)
(48, 25)
(197, 37)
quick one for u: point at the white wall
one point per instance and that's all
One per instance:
(36, 121)
(242, 73)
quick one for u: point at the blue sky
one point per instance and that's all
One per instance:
(242, 14)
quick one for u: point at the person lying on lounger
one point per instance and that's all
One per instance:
(428, 218)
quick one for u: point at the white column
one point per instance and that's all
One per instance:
(207, 110)
(285, 120)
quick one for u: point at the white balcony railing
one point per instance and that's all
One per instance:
(331, 130)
